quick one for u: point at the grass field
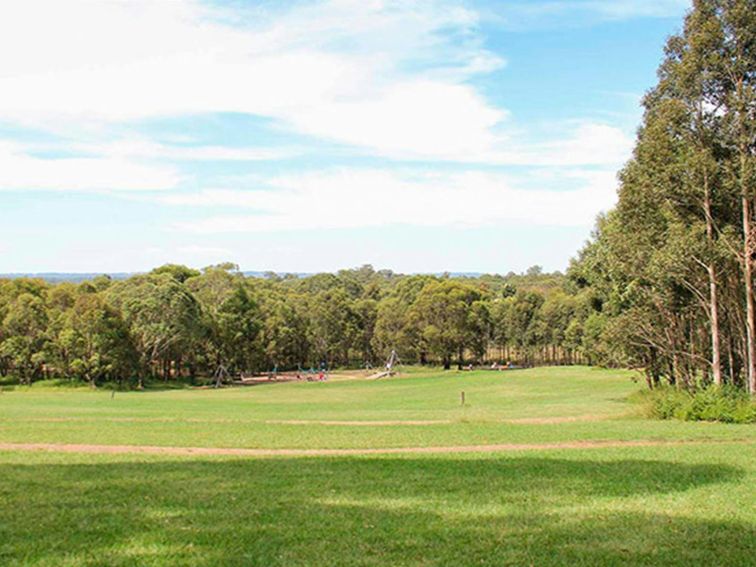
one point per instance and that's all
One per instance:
(670, 502)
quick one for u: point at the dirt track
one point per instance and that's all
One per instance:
(348, 423)
(201, 451)
(357, 423)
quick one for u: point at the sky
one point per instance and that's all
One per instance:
(306, 136)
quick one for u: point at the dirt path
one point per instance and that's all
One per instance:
(558, 419)
(332, 422)
(201, 451)
(358, 423)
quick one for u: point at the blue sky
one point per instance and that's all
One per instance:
(312, 136)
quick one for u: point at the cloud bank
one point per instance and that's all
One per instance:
(394, 83)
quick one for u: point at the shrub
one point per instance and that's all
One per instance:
(727, 405)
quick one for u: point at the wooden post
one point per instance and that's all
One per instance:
(462, 398)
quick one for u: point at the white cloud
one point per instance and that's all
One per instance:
(20, 170)
(352, 198)
(385, 78)
(124, 165)
(588, 144)
(141, 148)
(202, 251)
(413, 119)
(344, 70)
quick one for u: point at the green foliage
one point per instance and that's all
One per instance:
(444, 316)
(229, 321)
(665, 267)
(176, 323)
(24, 326)
(96, 341)
(176, 271)
(728, 405)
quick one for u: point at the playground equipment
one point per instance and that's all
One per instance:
(392, 361)
(221, 375)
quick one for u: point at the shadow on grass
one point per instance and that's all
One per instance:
(9, 380)
(9, 384)
(370, 511)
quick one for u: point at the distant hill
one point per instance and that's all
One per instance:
(55, 277)
(78, 277)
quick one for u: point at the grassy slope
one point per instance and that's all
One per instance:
(675, 505)
(242, 417)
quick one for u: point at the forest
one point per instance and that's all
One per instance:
(673, 262)
(175, 322)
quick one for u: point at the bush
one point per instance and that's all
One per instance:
(727, 405)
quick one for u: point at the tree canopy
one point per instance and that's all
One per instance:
(671, 265)
(177, 322)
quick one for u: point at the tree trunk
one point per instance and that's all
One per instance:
(745, 193)
(675, 370)
(716, 357)
(748, 277)
(730, 363)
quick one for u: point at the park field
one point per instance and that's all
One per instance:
(550, 466)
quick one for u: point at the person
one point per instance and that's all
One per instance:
(321, 376)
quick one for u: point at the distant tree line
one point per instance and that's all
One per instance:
(672, 265)
(176, 322)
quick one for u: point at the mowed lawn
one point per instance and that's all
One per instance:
(420, 408)
(665, 504)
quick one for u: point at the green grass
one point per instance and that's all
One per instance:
(660, 505)
(246, 417)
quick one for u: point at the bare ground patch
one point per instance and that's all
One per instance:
(243, 452)
(358, 423)
(557, 419)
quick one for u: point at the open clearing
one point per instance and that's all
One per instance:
(544, 467)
